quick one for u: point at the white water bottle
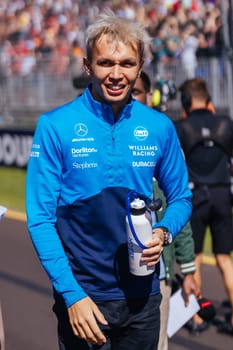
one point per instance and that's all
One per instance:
(139, 231)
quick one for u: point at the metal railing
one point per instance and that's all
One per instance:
(39, 91)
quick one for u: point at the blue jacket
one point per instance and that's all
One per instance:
(81, 169)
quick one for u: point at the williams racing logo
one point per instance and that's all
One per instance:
(140, 133)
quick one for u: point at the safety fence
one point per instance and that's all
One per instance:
(26, 96)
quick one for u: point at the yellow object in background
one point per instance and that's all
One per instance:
(156, 98)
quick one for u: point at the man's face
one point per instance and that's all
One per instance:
(139, 92)
(113, 69)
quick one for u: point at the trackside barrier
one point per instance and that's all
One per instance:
(40, 91)
(15, 147)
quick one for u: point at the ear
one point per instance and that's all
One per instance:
(87, 65)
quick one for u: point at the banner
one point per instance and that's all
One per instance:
(15, 146)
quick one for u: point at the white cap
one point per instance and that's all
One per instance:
(137, 203)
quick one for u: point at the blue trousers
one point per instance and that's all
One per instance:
(133, 325)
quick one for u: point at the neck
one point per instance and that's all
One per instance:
(117, 108)
(197, 104)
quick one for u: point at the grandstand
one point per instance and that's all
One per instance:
(42, 44)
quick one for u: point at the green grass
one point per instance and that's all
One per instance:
(12, 195)
(208, 243)
(12, 188)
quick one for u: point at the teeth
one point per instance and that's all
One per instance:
(115, 88)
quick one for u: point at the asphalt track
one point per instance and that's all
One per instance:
(26, 297)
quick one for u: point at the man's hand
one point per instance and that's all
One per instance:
(190, 287)
(151, 255)
(83, 316)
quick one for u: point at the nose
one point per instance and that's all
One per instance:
(116, 72)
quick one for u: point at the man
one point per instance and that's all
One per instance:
(180, 250)
(142, 89)
(86, 158)
(207, 141)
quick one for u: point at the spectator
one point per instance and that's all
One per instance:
(76, 60)
(173, 40)
(207, 141)
(180, 250)
(158, 49)
(188, 53)
(44, 21)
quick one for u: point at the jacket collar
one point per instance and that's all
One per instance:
(103, 110)
(200, 112)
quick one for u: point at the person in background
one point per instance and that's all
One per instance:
(181, 250)
(207, 142)
(190, 43)
(158, 49)
(86, 158)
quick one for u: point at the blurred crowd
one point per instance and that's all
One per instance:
(35, 32)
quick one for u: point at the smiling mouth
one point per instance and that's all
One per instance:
(115, 89)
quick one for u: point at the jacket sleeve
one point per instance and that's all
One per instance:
(172, 176)
(183, 245)
(184, 250)
(43, 182)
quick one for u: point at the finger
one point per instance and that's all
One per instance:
(151, 261)
(80, 333)
(151, 253)
(156, 242)
(151, 258)
(153, 247)
(99, 316)
(186, 299)
(88, 331)
(98, 338)
(77, 329)
(94, 334)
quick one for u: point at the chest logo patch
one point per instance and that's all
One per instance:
(141, 133)
(80, 129)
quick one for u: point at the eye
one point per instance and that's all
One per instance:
(105, 63)
(128, 64)
(136, 92)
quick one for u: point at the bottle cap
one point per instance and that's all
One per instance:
(138, 206)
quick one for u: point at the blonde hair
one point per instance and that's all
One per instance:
(120, 29)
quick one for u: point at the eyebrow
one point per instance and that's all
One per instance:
(131, 60)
